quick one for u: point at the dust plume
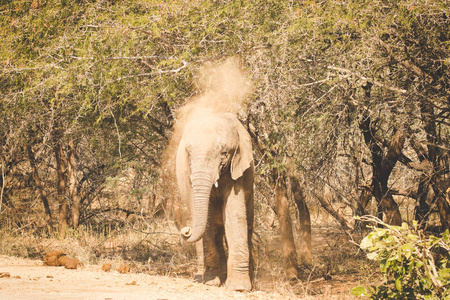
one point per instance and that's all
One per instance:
(223, 87)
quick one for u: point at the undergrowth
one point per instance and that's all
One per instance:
(154, 247)
(415, 265)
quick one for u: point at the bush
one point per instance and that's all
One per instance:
(415, 266)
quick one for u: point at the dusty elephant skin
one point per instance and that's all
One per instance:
(215, 173)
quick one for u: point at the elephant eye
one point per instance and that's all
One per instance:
(223, 160)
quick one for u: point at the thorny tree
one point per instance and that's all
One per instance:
(351, 102)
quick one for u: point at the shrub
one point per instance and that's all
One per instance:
(414, 266)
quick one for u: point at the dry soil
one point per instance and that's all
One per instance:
(30, 279)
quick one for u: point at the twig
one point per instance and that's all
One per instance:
(390, 88)
(154, 232)
(3, 185)
(24, 226)
(313, 83)
(122, 57)
(156, 72)
(19, 70)
(118, 134)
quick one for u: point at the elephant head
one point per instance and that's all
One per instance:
(211, 145)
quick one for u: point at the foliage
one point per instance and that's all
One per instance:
(103, 80)
(110, 75)
(415, 266)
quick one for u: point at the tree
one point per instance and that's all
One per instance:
(347, 94)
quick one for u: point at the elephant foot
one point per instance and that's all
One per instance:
(198, 278)
(291, 274)
(239, 283)
(212, 277)
(213, 282)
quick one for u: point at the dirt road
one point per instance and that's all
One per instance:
(29, 279)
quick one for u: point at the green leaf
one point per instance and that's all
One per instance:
(372, 255)
(360, 291)
(381, 232)
(366, 243)
(412, 237)
(444, 273)
(398, 283)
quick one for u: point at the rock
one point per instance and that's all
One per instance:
(4, 275)
(51, 261)
(106, 267)
(52, 258)
(57, 258)
(72, 263)
(123, 269)
(57, 253)
(63, 259)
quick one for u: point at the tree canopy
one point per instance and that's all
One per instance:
(351, 95)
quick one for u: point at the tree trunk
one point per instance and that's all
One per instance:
(434, 188)
(382, 165)
(61, 186)
(281, 209)
(73, 184)
(2, 183)
(286, 234)
(386, 203)
(363, 201)
(42, 191)
(443, 205)
(305, 221)
(5, 171)
(425, 196)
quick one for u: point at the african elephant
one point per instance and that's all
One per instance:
(215, 170)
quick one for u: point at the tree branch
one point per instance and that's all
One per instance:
(374, 82)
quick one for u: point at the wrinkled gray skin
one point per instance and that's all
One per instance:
(215, 176)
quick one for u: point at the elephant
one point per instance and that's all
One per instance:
(215, 171)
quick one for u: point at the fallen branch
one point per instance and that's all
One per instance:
(327, 206)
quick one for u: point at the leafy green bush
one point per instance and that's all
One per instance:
(414, 266)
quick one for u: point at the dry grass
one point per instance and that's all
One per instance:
(156, 249)
(152, 246)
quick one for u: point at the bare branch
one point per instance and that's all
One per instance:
(374, 82)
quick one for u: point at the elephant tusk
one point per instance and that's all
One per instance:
(216, 184)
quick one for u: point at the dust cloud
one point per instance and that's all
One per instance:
(222, 87)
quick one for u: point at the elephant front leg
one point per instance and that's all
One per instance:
(198, 277)
(212, 262)
(215, 259)
(236, 232)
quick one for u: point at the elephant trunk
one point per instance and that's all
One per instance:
(201, 190)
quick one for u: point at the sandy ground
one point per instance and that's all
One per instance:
(29, 279)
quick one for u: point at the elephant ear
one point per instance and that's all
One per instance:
(243, 156)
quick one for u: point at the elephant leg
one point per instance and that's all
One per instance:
(208, 258)
(214, 254)
(214, 250)
(237, 235)
(198, 277)
(250, 219)
(219, 241)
